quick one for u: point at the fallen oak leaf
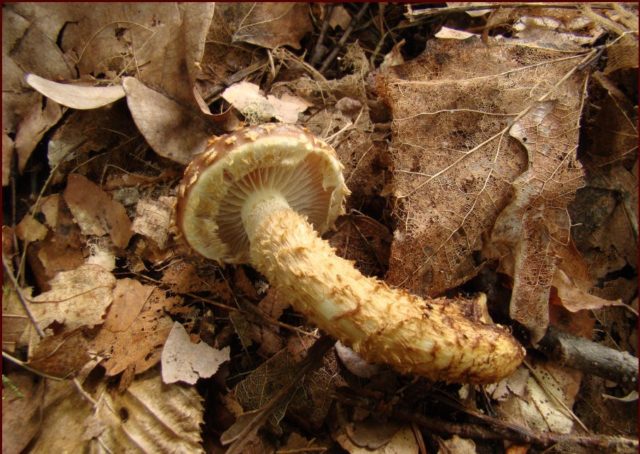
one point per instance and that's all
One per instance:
(75, 96)
(185, 361)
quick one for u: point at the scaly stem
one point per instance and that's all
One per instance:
(431, 337)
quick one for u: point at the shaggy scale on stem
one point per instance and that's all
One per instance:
(263, 195)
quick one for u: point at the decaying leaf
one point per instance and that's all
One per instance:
(149, 416)
(457, 169)
(75, 96)
(137, 318)
(77, 298)
(185, 361)
(153, 219)
(536, 223)
(95, 212)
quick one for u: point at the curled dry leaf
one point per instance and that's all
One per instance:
(95, 212)
(75, 96)
(77, 298)
(185, 361)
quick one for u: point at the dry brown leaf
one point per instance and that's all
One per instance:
(77, 298)
(29, 229)
(153, 219)
(148, 330)
(574, 298)
(21, 404)
(95, 212)
(185, 361)
(173, 131)
(183, 278)
(61, 355)
(270, 25)
(129, 297)
(61, 250)
(456, 168)
(75, 96)
(149, 416)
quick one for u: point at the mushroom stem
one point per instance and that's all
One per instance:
(433, 337)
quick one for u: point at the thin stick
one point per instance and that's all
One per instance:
(21, 297)
(334, 53)
(317, 50)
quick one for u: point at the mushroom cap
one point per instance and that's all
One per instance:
(285, 158)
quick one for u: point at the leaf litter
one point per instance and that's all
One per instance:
(501, 162)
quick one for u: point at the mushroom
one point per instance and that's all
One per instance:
(263, 195)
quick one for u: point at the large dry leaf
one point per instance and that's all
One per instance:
(182, 360)
(173, 130)
(457, 168)
(77, 298)
(138, 318)
(270, 25)
(95, 212)
(148, 417)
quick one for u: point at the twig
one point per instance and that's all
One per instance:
(317, 50)
(412, 13)
(498, 430)
(334, 53)
(25, 366)
(589, 357)
(21, 297)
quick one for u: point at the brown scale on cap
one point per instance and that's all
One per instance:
(262, 196)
